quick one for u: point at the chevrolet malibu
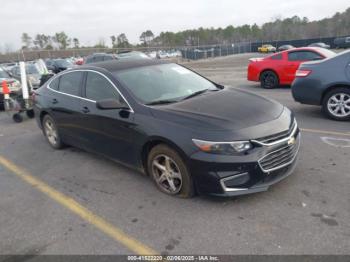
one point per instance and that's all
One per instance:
(189, 134)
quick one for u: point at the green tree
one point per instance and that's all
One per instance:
(113, 39)
(61, 39)
(122, 41)
(76, 42)
(26, 41)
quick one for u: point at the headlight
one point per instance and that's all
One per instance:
(224, 148)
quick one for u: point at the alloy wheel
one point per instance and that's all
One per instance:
(51, 132)
(269, 80)
(167, 174)
(339, 105)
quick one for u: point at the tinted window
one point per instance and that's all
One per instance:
(98, 58)
(106, 58)
(70, 83)
(277, 57)
(99, 88)
(54, 83)
(89, 60)
(303, 56)
(3, 74)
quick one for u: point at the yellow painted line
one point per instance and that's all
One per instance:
(324, 132)
(69, 203)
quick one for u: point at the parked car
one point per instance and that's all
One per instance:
(342, 42)
(79, 61)
(33, 74)
(325, 83)
(99, 57)
(322, 45)
(280, 68)
(189, 134)
(13, 84)
(285, 47)
(132, 55)
(267, 49)
(58, 65)
(8, 66)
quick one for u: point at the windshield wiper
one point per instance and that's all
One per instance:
(161, 102)
(195, 94)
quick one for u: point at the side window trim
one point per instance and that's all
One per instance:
(131, 110)
(63, 93)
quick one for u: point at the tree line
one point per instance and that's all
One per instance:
(280, 29)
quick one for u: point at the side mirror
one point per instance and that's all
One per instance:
(110, 104)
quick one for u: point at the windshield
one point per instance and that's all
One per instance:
(4, 74)
(32, 69)
(163, 82)
(63, 63)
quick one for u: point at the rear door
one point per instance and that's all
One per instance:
(295, 58)
(66, 102)
(109, 132)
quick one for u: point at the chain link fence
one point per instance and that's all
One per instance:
(187, 52)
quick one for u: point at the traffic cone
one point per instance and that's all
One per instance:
(5, 89)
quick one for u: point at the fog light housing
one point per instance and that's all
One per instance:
(234, 181)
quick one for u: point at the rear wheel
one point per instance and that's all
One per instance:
(51, 133)
(269, 80)
(336, 104)
(169, 172)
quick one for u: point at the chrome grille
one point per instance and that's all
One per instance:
(277, 137)
(279, 158)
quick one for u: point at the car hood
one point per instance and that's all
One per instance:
(228, 109)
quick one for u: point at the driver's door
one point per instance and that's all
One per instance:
(109, 132)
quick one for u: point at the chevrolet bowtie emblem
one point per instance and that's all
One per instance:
(291, 141)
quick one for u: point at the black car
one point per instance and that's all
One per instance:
(325, 83)
(342, 42)
(58, 65)
(186, 132)
(285, 47)
(99, 57)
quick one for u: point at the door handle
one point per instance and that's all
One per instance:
(85, 110)
(54, 101)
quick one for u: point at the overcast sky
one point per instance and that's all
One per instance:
(91, 20)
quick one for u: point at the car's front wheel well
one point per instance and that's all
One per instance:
(147, 147)
(331, 88)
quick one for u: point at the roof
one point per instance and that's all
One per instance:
(118, 65)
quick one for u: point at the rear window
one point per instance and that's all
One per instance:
(54, 83)
(303, 56)
(70, 83)
(276, 57)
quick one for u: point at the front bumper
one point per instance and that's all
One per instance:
(239, 175)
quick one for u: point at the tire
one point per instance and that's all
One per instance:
(30, 113)
(337, 98)
(52, 135)
(269, 80)
(17, 118)
(178, 182)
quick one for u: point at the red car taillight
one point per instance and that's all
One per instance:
(302, 73)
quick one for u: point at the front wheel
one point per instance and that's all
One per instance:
(269, 80)
(169, 172)
(336, 104)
